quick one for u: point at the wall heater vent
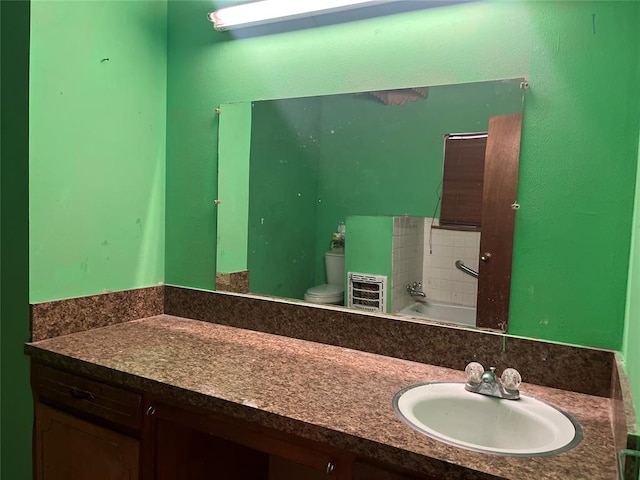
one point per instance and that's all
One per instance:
(367, 292)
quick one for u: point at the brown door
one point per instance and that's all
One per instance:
(498, 219)
(69, 448)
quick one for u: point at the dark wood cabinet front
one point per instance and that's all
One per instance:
(190, 444)
(184, 453)
(68, 448)
(88, 430)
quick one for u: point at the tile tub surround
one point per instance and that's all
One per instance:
(541, 363)
(424, 253)
(319, 392)
(442, 280)
(61, 317)
(407, 258)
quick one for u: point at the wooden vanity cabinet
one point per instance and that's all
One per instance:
(211, 446)
(369, 470)
(67, 447)
(86, 429)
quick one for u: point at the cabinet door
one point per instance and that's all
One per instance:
(69, 448)
(183, 453)
(363, 470)
(198, 445)
(289, 469)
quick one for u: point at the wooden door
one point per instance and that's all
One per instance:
(69, 448)
(498, 220)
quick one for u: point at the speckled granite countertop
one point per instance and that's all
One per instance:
(320, 392)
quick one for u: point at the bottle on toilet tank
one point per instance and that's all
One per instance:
(338, 238)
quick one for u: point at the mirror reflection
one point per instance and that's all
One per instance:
(378, 201)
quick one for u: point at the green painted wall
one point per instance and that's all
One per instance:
(387, 159)
(631, 343)
(97, 146)
(234, 145)
(576, 182)
(283, 196)
(15, 396)
(369, 248)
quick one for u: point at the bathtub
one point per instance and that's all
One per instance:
(441, 311)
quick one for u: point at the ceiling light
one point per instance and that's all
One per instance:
(269, 11)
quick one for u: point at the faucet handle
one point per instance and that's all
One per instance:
(474, 372)
(489, 376)
(511, 379)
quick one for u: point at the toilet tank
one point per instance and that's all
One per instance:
(334, 263)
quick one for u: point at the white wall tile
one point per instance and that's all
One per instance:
(469, 300)
(469, 288)
(442, 280)
(428, 255)
(408, 259)
(445, 296)
(447, 251)
(471, 252)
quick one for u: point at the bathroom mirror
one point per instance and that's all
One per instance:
(296, 173)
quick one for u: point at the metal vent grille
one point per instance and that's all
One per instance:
(368, 292)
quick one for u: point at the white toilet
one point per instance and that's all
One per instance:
(333, 291)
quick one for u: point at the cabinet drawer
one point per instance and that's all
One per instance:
(70, 392)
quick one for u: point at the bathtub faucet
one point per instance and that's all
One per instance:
(415, 290)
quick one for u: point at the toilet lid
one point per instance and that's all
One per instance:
(326, 290)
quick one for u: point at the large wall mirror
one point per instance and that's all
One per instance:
(400, 201)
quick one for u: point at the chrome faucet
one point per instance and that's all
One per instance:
(415, 290)
(485, 382)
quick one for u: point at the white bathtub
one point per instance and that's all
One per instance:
(441, 311)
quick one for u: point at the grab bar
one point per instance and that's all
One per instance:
(465, 269)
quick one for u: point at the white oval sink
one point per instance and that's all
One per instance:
(520, 428)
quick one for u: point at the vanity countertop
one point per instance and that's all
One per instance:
(320, 392)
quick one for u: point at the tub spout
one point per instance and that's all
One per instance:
(415, 290)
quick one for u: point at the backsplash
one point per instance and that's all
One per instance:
(542, 363)
(62, 317)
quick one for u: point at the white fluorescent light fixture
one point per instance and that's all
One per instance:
(270, 11)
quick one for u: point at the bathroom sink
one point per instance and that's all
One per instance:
(519, 428)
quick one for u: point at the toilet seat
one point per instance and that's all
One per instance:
(327, 293)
